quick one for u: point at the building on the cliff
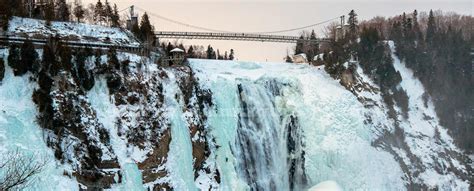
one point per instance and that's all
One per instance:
(300, 58)
(177, 56)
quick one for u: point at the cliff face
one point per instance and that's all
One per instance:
(118, 121)
(125, 119)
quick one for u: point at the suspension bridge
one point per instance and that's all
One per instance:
(217, 34)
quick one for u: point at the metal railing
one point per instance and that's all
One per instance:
(234, 36)
(10, 39)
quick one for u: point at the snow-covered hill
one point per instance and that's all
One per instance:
(233, 125)
(33, 28)
(218, 125)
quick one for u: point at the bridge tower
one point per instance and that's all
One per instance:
(340, 30)
(133, 18)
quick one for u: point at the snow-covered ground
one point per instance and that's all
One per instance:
(19, 132)
(253, 102)
(33, 28)
(338, 143)
(339, 140)
(426, 138)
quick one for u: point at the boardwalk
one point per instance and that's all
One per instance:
(20, 40)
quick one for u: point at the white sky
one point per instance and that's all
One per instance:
(269, 15)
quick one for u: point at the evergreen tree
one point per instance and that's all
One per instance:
(231, 55)
(83, 76)
(107, 12)
(416, 26)
(313, 47)
(99, 12)
(396, 31)
(113, 60)
(49, 13)
(191, 53)
(98, 58)
(146, 29)
(181, 46)
(299, 46)
(136, 30)
(169, 48)
(5, 13)
(210, 52)
(29, 59)
(353, 25)
(79, 11)
(219, 56)
(115, 17)
(14, 8)
(66, 58)
(431, 28)
(63, 11)
(48, 61)
(14, 58)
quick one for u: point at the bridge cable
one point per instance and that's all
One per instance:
(223, 31)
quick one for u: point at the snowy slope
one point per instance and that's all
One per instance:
(338, 143)
(34, 28)
(270, 126)
(19, 132)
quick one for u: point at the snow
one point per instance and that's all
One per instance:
(34, 28)
(339, 155)
(421, 125)
(107, 114)
(338, 142)
(326, 186)
(180, 159)
(19, 131)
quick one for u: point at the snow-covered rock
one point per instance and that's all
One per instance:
(226, 125)
(33, 28)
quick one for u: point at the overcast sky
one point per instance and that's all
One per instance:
(270, 15)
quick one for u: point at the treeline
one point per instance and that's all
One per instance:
(440, 58)
(61, 10)
(307, 45)
(197, 51)
(435, 45)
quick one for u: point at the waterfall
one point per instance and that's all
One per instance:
(280, 126)
(264, 150)
(259, 147)
(180, 159)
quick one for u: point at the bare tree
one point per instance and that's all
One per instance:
(18, 170)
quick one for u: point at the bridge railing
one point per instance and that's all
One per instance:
(233, 36)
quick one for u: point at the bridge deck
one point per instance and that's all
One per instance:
(233, 36)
